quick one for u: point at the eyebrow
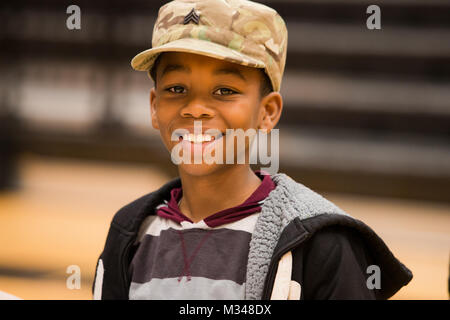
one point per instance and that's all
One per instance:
(232, 71)
(221, 71)
(175, 67)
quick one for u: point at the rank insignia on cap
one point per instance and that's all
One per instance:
(192, 16)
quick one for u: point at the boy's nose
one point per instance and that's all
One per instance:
(197, 109)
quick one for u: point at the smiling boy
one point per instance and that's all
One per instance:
(224, 96)
(221, 230)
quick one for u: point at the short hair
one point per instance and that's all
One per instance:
(265, 85)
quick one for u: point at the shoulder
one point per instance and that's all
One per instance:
(335, 243)
(338, 251)
(128, 212)
(333, 240)
(334, 235)
(131, 215)
(334, 263)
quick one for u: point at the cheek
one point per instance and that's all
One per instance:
(163, 117)
(242, 115)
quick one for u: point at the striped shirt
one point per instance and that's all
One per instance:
(180, 259)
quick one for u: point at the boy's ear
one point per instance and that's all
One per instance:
(271, 107)
(153, 109)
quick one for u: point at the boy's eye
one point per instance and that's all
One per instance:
(224, 92)
(176, 89)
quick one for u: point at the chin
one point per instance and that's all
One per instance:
(199, 170)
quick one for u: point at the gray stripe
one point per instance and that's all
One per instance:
(223, 255)
(197, 288)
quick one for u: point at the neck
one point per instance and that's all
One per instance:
(222, 189)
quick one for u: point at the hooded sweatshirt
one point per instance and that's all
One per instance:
(329, 253)
(179, 259)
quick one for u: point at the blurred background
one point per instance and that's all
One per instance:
(366, 122)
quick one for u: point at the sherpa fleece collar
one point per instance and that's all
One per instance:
(287, 201)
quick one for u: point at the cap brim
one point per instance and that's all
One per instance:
(145, 60)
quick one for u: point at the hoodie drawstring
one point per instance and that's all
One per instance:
(187, 262)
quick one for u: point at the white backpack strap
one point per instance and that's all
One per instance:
(282, 281)
(98, 284)
(294, 290)
(283, 287)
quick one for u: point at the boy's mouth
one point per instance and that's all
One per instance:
(199, 138)
(199, 143)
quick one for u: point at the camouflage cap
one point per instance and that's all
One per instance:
(239, 31)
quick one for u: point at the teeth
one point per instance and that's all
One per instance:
(197, 138)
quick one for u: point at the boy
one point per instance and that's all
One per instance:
(221, 230)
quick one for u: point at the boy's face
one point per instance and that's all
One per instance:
(220, 94)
